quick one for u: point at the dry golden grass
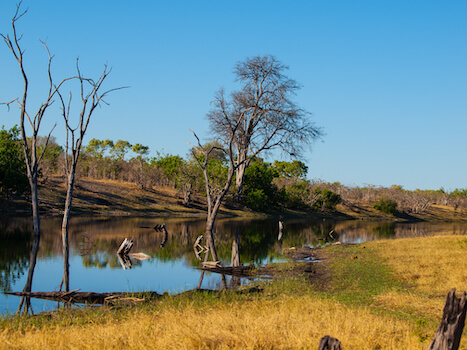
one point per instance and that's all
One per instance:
(282, 323)
(433, 265)
(403, 315)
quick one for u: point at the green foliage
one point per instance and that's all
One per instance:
(387, 206)
(294, 169)
(259, 191)
(13, 176)
(120, 149)
(326, 199)
(170, 165)
(298, 194)
(140, 150)
(97, 148)
(459, 193)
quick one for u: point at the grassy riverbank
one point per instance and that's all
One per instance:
(380, 295)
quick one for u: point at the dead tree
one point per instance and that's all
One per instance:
(448, 335)
(31, 155)
(91, 98)
(214, 196)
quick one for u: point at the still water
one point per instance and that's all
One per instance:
(172, 265)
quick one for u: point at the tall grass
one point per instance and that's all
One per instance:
(285, 322)
(383, 295)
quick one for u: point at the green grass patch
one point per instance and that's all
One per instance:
(358, 275)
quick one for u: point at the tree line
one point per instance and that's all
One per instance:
(267, 186)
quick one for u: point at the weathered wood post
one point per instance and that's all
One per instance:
(448, 335)
(329, 343)
(122, 253)
(125, 247)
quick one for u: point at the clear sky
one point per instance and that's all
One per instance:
(386, 80)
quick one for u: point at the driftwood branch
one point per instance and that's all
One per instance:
(84, 297)
(449, 333)
(123, 254)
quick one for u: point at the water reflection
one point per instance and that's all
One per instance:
(14, 255)
(172, 265)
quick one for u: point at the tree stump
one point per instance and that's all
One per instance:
(448, 335)
(125, 247)
(329, 343)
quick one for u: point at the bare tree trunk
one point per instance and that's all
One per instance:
(329, 343)
(65, 222)
(242, 164)
(449, 333)
(25, 302)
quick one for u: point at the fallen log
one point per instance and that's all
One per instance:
(86, 297)
(237, 271)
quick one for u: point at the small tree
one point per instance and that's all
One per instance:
(387, 206)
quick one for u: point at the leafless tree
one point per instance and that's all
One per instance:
(261, 115)
(214, 194)
(91, 98)
(31, 155)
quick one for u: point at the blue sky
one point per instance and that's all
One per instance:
(386, 80)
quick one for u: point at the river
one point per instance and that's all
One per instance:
(172, 265)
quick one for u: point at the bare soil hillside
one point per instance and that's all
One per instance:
(107, 197)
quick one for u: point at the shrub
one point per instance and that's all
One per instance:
(387, 206)
(326, 199)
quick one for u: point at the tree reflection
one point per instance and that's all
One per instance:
(25, 302)
(385, 230)
(14, 253)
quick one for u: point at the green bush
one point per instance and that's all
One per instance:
(256, 200)
(297, 195)
(259, 191)
(327, 199)
(387, 206)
